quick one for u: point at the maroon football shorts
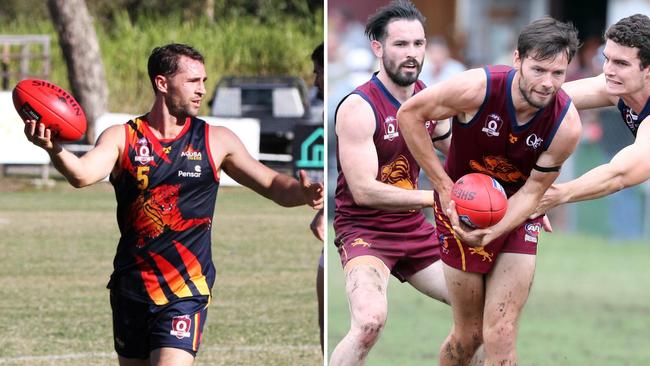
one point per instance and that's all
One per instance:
(522, 240)
(404, 253)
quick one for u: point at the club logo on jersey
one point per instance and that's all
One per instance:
(143, 151)
(396, 173)
(191, 154)
(167, 150)
(534, 141)
(359, 241)
(195, 174)
(390, 128)
(498, 167)
(443, 240)
(631, 119)
(159, 210)
(512, 138)
(532, 232)
(492, 125)
(181, 326)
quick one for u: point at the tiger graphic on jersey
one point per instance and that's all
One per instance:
(151, 215)
(396, 173)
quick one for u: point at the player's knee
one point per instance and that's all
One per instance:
(369, 326)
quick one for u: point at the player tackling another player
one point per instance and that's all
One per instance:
(625, 82)
(165, 168)
(518, 126)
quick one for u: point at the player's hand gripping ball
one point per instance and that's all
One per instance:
(480, 200)
(47, 103)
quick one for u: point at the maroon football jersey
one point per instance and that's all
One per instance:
(396, 167)
(492, 143)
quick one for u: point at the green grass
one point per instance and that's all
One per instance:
(57, 247)
(589, 306)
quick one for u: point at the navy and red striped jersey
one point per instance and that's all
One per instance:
(166, 193)
(396, 166)
(493, 143)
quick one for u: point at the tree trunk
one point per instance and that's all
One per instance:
(78, 41)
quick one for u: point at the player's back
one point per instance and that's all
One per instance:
(396, 166)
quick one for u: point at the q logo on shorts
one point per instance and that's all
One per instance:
(181, 326)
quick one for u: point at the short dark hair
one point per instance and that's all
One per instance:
(164, 60)
(397, 9)
(633, 31)
(318, 56)
(545, 38)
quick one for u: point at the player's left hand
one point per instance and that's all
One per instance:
(470, 236)
(312, 192)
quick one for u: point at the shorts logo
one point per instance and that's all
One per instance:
(443, 241)
(492, 125)
(359, 241)
(532, 232)
(480, 251)
(143, 151)
(181, 326)
(534, 141)
(390, 126)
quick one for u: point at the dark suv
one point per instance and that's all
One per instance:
(278, 102)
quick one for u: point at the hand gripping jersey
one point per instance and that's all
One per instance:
(396, 167)
(166, 194)
(632, 119)
(492, 143)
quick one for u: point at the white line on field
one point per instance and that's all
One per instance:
(95, 355)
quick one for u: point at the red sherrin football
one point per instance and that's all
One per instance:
(480, 200)
(49, 104)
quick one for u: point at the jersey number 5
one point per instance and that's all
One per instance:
(143, 179)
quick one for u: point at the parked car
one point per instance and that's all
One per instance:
(278, 102)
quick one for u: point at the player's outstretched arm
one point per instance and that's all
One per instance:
(628, 167)
(229, 153)
(589, 93)
(92, 167)
(355, 126)
(464, 92)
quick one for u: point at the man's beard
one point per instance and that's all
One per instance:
(528, 97)
(402, 79)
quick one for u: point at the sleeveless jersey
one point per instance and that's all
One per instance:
(632, 119)
(166, 194)
(396, 167)
(492, 143)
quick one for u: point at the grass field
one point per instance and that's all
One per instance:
(589, 306)
(56, 252)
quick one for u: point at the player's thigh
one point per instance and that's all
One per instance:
(123, 361)
(508, 286)
(466, 295)
(366, 282)
(431, 282)
(167, 356)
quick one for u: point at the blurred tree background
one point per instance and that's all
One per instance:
(237, 37)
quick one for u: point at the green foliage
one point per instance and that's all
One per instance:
(233, 46)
